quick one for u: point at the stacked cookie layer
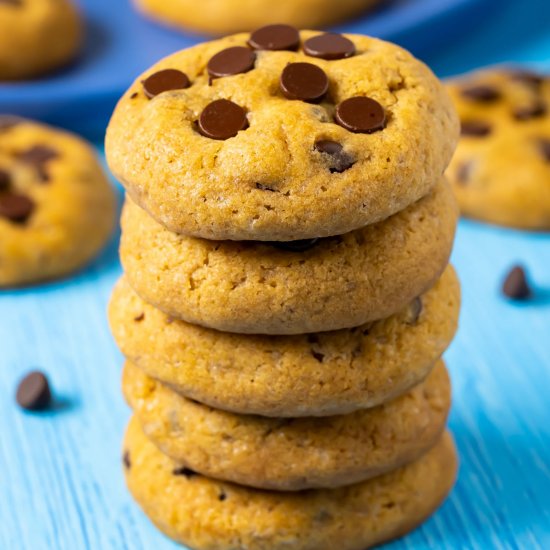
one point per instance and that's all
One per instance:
(286, 297)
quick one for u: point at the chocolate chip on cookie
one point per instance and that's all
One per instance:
(361, 115)
(515, 285)
(163, 81)
(463, 172)
(304, 81)
(5, 180)
(15, 208)
(527, 77)
(528, 112)
(340, 161)
(231, 61)
(185, 472)
(222, 119)
(33, 392)
(15, 3)
(126, 460)
(329, 46)
(481, 93)
(475, 128)
(38, 156)
(275, 37)
(544, 148)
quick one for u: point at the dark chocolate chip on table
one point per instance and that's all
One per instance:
(275, 37)
(163, 81)
(340, 161)
(544, 148)
(329, 46)
(482, 93)
(222, 119)
(528, 112)
(361, 115)
(304, 81)
(475, 128)
(33, 392)
(515, 284)
(15, 208)
(5, 180)
(294, 246)
(231, 61)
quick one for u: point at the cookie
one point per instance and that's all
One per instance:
(37, 36)
(206, 514)
(257, 287)
(321, 374)
(57, 208)
(227, 16)
(291, 454)
(501, 170)
(230, 140)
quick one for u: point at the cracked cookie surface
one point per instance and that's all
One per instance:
(321, 374)
(501, 169)
(57, 208)
(202, 513)
(268, 174)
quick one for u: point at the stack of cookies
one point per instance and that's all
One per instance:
(287, 295)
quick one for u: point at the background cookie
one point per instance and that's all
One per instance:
(501, 169)
(247, 287)
(57, 208)
(227, 16)
(37, 36)
(203, 513)
(373, 133)
(304, 375)
(291, 454)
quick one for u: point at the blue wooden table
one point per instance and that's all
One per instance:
(61, 485)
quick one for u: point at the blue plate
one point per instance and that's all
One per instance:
(121, 44)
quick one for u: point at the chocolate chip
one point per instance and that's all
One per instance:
(414, 311)
(294, 246)
(222, 119)
(544, 147)
(5, 180)
(340, 161)
(463, 172)
(33, 392)
(530, 78)
(139, 318)
(231, 61)
(185, 472)
(536, 110)
(318, 356)
(163, 81)
(262, 187)
(304, 81)
(38, 156)
(361, 115)
(329, 46)
(222, 496)
(475, 128)
(481, 93)
(15, 3)
(126, 460)
(16, 208)
(515, 285)
(134, 95)
(275, 37)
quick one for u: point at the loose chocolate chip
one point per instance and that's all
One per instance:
(414, 311)
(165, 80)
(361, 115)
(329, 46)
(340, 161)
(304, 81)
(475, 128)
(481, 93)
(185, 472)
(544, 147)
(38, 156)
(222, 119)
(5, 180)
(33, 392)
(231, 61)
(530, 78)
(515, 284)
(294, 246)
(139, 318)
(15, 208)
(536, 110)
(126, 460)
(275, 37)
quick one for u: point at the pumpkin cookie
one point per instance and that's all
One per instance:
(205, 514)
(321, 374)
(57, 208)
(264, 138)
(501, 170)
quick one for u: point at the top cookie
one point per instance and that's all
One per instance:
(280, 135)
(501, 170)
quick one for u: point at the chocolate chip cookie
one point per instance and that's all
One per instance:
(57, 208)
(501, 170)
(264, 137)
(321, 374)
(37, 36)
(203, 513)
